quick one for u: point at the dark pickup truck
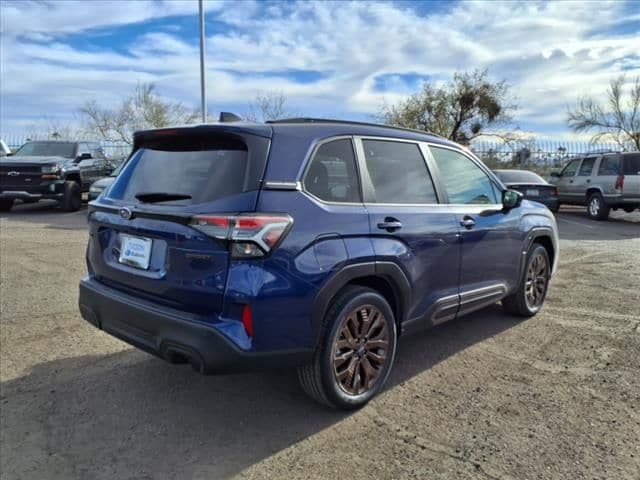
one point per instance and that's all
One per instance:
(51, 170)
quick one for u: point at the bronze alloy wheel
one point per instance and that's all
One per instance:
(536, 281)
(361, 350)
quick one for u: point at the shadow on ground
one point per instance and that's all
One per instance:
(129, 415)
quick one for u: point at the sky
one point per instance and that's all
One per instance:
(330, 59)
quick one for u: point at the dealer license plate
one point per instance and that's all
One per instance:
(135, 251)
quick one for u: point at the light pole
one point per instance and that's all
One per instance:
(203, 86)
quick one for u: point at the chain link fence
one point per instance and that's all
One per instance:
(536, 155)
(540, 156)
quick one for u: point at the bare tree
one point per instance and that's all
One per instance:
(618, 120)
(269, 106)
(460, 110)
(142, 109)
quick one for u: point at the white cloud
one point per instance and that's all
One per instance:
(548, 52)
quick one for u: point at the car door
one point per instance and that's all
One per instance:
(410, 226)
(582, 179)
(566, 191)
(491, 240)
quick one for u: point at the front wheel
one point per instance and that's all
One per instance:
(529, 298)
(597, 208)
(356, 351)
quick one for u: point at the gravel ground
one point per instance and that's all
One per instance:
(486, 397)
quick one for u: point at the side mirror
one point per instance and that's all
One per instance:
(511, 199)
(84, 156)
(555, 175)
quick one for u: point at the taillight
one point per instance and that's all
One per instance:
(249, 235)
(247, 320)
(619, 182)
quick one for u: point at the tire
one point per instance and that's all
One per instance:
(629, 209)
(72, 199)
(6, 204)
(335, 376)
(597, 209)
(534, 282)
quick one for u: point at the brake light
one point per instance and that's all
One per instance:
(619, 182)
(250, 235)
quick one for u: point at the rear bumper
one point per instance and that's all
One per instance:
(171, 336)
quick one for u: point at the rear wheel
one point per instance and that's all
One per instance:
(6, 204)
(72, 199)
(597, 209)
(357, 349)
(531, 293)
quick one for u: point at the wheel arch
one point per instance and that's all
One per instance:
(387, 278)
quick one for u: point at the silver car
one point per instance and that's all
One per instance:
(601, 182)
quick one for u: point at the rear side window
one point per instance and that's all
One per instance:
(204, 168)
(465, 182)
(631, 164)
(332, 174)
(398, 173)
(609, 165)
(587, 167)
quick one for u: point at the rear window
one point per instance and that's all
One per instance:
(631, 164)
(518, 176)
(205, 169)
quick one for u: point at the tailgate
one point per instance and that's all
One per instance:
(140, 237)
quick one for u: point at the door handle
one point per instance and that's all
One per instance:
(390, 224)
(570, 181)
(588, 180)
(467, 222)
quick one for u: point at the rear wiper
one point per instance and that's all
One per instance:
(154, 197)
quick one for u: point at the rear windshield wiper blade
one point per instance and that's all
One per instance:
(154, 197)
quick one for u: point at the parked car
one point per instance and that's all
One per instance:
(51, 170)
(602, 182)
(532, 186)
(99, 186)
(306, 243)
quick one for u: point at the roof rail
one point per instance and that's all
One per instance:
(348, 122)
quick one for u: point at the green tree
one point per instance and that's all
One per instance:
(460, 110)
(618, 119)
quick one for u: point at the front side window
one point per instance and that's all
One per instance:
(587, 167)
(332, 174)
(571, 169)
(398, 173)
(465, 182)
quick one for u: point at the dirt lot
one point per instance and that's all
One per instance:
(486, 396)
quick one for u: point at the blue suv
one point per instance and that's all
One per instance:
(307, 243)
